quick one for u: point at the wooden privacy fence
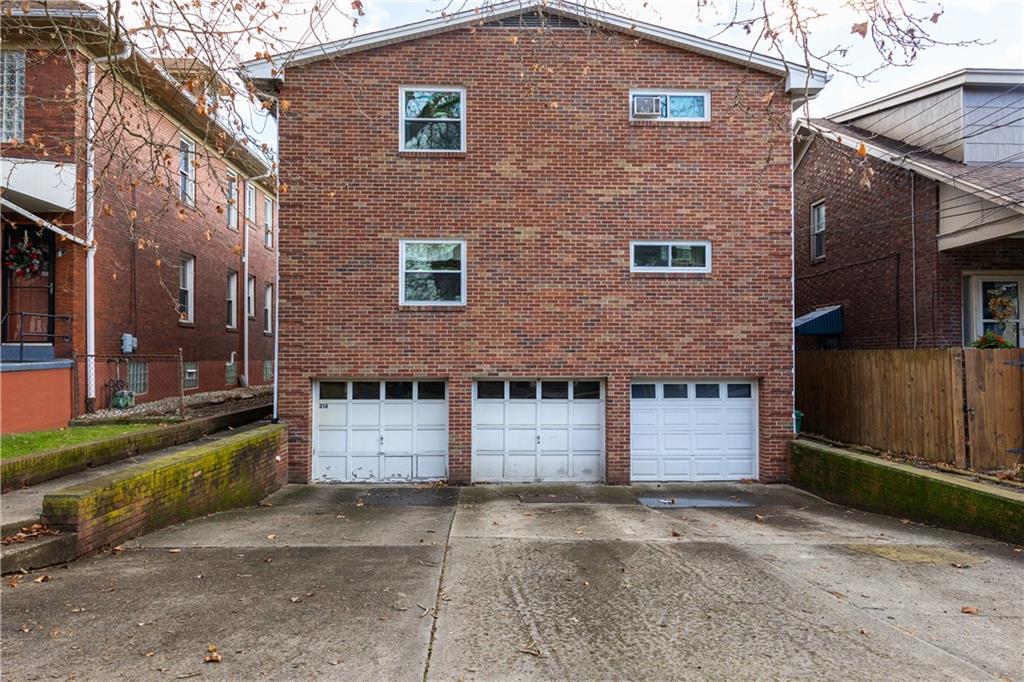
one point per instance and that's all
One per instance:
(958, 406)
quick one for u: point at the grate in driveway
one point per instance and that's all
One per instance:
(691, 500)
(411, 497)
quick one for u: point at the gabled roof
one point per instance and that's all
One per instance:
(801, 81)
(976, 77)
(1001, 184)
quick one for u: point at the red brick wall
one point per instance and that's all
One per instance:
(868, 266)
(548, 198)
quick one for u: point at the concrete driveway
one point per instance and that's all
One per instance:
(497, 583)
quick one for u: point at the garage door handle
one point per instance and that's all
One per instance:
(538, 439)
(382, 441)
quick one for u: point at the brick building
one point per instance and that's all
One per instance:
(535, 243)
(905, 241)
(180, 225)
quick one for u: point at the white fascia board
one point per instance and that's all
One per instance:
(922, 168)
(51, 184)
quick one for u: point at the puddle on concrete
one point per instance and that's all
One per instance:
(919, 554)
(410, 497)
(691, 500)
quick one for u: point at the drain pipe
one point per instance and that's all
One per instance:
(90, 222)
(913, 250)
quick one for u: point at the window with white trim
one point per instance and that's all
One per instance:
(232, 300)
(432, 119)
(190, 375)
(12, 95)
(268, 222)
(268, 309)
(187, 289)
(669, 105)
(818, 230)
(993, 296)
(231, 194)
(250, 202)
(187, 170)
(670, 256)
(432, 272)
(250, 298)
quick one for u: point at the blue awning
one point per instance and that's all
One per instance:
(822, 321)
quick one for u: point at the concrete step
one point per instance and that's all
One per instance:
(38, 552)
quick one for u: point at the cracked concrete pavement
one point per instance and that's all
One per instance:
(529, 582)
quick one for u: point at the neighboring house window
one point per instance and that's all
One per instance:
(12, 112)
(268, 222)
(994, 294)
(670, 256)
(818, 230)
(232, 199)
(250, 298)
(669, 105)
(268, 370)
(433, 272)
(186, 289)
(138, 377)
(232, 308)
(190, 375)
(268, 308)
(231, 374)
(432, 119)
(250, 202)
(187, 171)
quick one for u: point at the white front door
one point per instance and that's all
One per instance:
(367, 431)
(697, 430)
(550, 430)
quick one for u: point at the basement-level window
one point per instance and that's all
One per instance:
(433, 272)
(432, 119)
(670, 256)
(190, 375)
(669, 105)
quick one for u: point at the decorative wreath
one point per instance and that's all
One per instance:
(25, 259)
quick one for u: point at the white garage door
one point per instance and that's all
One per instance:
(538, 431)
(693, 430)
(380, 431)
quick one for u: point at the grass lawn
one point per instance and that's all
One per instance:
(20, 444)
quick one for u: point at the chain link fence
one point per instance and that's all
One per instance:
(124, 381)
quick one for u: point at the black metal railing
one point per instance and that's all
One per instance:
(21, 334)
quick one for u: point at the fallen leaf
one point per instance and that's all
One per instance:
(759, 517)
(174, 551)
(13, 582)
(969, 610)
(272, 536)
(864, 632)
(862, 150)
(860, 29)
(42, 579)
(676, 533)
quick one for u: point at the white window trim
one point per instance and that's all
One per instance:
(669, 268)
(250, 298)
(250, 192)
(268, 309)
(816, 230)
(401, 272)
(232, 201)
(432, 88)
(232, 299)
(667, 93)
(268, 221)
(189, 262)
(190, 172)
(186, 368)
(977, 322)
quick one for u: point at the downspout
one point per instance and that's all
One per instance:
(913, 250)
(277, 262)
(90, 223)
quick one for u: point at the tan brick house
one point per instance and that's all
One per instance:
(175, 245)
(535, 243)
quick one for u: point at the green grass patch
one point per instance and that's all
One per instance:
(21, 444)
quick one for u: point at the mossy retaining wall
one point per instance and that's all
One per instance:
(44, 466)
(865, 482)
(233, 471)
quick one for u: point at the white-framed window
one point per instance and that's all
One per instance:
(187, 170)
(669, 256)
(432, 119)
(190, 375)
(138, 377)
(988, 294)
(187, 288)
(268, 222)
(231, 195)
(817, 230)
(250, 298)
(232, 300)
(268, 308)
(12, 95)
(669, 105)
(250, 202)
(432, 272)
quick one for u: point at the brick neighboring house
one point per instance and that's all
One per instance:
(178, 204)
(536, 242)
(910, 242)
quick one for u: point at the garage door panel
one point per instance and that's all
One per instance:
(489, 413)
(740, 417)
(708, 442)
(364, 468)
(431, 441)
(554, 440)
(553, 466)
(334, 414)
(584, 440)
(644, 469)
(676, 442)
(645, 416)
(430, 466)
(521, 440)
(645, 442)
(522, 413)
(587, 414)
(398, 414)
(398, 440)
(740, 467)
(674, 416)
(431, 414)
(586, 467)
(398, 467)
(742, 442)
(363, 440)
(490, 440)
(521, 467)
(331, 468)
(365, 414)
(488, 467)
(333, 441)
(676, 468)
(708, 416)
(553, 414)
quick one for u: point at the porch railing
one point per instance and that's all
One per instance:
(22, 334)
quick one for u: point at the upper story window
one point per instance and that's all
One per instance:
(669, 105)
(250, 298)
(12, 92)
(432, 119)
(818, 230)
(268, 222)
(250, 202)
(231, 193)
(670, 256)
(268, 308)
(232, 300)
(433, 272)
(186, 289)
(187, 171)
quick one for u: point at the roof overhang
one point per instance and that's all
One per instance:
(802, 82)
